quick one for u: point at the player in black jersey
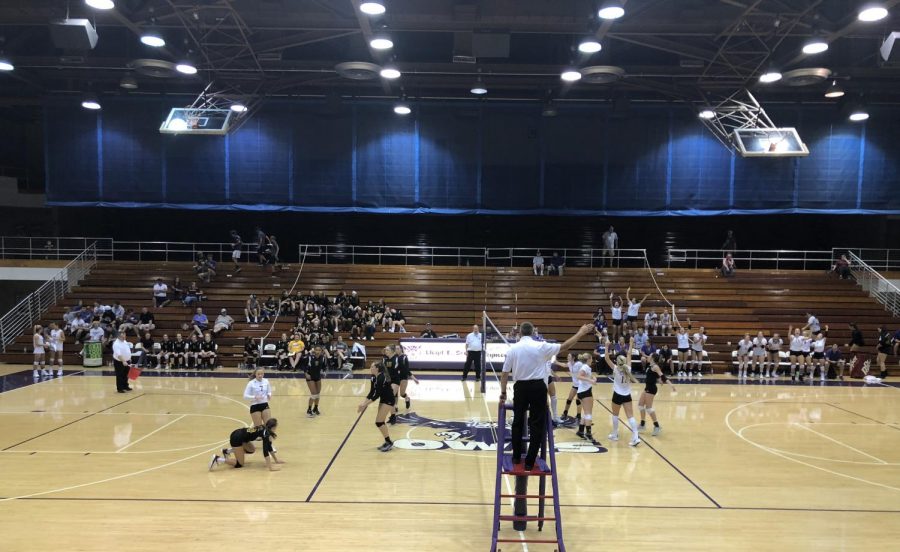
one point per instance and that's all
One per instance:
(167, 351)
(392, 367)
(179, 353)
(241, 442)
(193, 352)
(281, 353)
(884, 349)
(405, 376)
(382, 391)
(645, 403)
(208, 350)
(317, 366)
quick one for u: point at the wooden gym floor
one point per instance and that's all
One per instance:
(740, 467)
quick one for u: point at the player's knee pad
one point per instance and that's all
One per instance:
(651, 410)
(379, 424)
(588, 417)
(642, 408)
(404, 395)
(578, 402)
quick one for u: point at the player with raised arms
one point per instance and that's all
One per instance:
(622, 380)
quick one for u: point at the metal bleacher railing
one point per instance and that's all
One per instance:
(877, 286)
(28, 310)
(467, 256)
(778, 259)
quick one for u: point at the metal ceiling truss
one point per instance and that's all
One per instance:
(736, 112)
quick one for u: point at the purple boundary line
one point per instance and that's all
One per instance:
(333, 458)
(667, 461)
(832, 405)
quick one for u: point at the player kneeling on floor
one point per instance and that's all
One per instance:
(241, 442)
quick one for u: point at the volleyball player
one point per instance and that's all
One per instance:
(208, 350)
(551, 393)
(774, 350)
(585, 381)
(645, 403)
(241, 442)
(317, 365)
(795, 352)
(281, 352)
(806, 349)
(179, 351)
(193, 352)
(259, 392)
(166, 352)
(698, 340)
(634, 309)
(744, 347)
(883, 348)
(57, 337)
(818, 357)
(37, 341)
(759, 356)
(684, 348)
(615, 308)
(622, 380)
(665, 323)
(573, 392)
(405, 375)
(382, 390)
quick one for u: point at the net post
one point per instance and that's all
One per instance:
(481, 370)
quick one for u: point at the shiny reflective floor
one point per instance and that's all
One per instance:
(751, 466)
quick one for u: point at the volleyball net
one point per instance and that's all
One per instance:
(494, 345)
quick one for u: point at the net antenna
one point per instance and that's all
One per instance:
(651, 270)
(494, 346)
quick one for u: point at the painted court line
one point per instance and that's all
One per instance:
(155, 431)
(841, 443)
(333, 458)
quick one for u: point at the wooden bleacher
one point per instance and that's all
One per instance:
(452, 299)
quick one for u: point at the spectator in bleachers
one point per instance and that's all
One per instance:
(340, 352)
(610, 241)
(177, 289)
(146, 320)
(841, 267)
(130, 323)
(252, 309)
(78, 329)
(199, 322)
(208, 352)
(160, 293)
(727, 268)
(119, 311)
(97, 333)
(192, 295)
(663, 358)
(651, 323)
(223, 322)
(108, 321)
(269, 309)
(236, 246)
(665, 324)
(730, 245)
(262, 244)
(398, 321)
(274, 252)
(640, 338)
(835, 361)
(428, 333)
(295, 351)
(203, 268)
(557, 264)
(251, 353)
(646, 351)
(73, 313)
(537, 264)
(287, 304)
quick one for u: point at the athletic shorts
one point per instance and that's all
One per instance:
(620, 399)
(39, 350)
(796, 353)
(159, 300)
(804, 354)
(236, 438)
(650, 390)
(313, 376)
(236, 254)
(259, 407)
(395, 381)
(585, 394)
(682, 351)
(388, 399)
(617, 321)
(818, 356)
(550, 379)
(886, 350)
(408, 375)
(631, 318)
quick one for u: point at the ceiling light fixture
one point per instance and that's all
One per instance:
(101, 5)
(834, 91)
(872, 12)
(815, 45)
(6, 64)
(478, 89)
(611, 10)
(706, 113)
(771, 75)
(402, 109)
(153, 39)
(128, 83)
(372, 8)
(238, 107)
(390, 73)
(186, 68)
(91, 103)
(859, 114)
(381, 42)
(570, 75)
(589, 45)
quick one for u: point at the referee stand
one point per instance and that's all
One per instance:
(544, 467)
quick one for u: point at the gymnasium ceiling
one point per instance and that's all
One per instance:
(670, 50)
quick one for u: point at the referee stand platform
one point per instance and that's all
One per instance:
(544, 467)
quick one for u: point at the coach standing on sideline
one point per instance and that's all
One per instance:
(473, 353)
(121, 358)
(527, 360)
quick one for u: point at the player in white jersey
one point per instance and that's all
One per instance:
(818, 357)
(684, 349)
(665, 324)
(759, 356)
(615, 307)
(698, 340)
(796, 352)
(774, 351)
(622, 380)
(551, 392)
(634, 309)
(57, 337)
(573, 392)
(744, 347)
(37, 341)
(806, 349)
(585, 381)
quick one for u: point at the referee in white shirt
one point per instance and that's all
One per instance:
(527, 360)
(473, 353)
(121, 359)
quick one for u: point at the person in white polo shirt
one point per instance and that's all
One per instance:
(527, 362)
(473, 353)
(121, 359)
